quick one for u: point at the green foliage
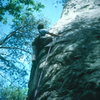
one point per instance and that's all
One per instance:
(12, 93)
(4, 20)
(38, 6)
(17, 8)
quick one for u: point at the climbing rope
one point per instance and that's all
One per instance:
(41, 74)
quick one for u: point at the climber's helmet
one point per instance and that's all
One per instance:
(40, 26)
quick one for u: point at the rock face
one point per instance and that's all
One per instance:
(68, 67)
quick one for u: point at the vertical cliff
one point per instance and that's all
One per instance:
(68, 67)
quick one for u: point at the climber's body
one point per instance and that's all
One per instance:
(41, 41)
(44, 31)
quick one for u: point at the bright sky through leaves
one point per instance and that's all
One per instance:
(51, 12)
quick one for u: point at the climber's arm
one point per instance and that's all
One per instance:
(45, 31)
(52, 34)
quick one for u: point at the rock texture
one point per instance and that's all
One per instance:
(68, 67)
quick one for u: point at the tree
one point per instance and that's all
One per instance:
(17, 8)
(15, 48)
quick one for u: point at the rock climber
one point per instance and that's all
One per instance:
(44, 31)
(41, 41)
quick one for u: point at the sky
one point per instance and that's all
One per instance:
(51, 12)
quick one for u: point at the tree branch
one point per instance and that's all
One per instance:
(5, 78)
(10, 35)
(16, 48)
